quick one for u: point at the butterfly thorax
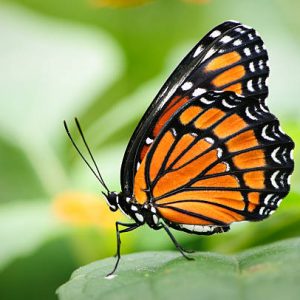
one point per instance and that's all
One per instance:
(140, 213)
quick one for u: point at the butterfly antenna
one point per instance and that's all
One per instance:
(91, 155)
(98, 174)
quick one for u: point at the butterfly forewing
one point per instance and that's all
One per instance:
(222, 158)
(231, 57)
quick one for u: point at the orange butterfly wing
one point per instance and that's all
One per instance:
(220, 159)
(231, 57)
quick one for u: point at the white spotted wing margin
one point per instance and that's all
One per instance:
(274, 171)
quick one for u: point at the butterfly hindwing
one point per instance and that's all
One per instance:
(231, 57)
(220, 159)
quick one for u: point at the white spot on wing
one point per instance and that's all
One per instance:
(247, 51)
(239, 29)
(219, 152)
(267, 199)
(174, 132)
(265, 136)
(201, 228)
(198, 92)
(273, 179)
(292, 154)
(226, 39)
(263, 108)
(209, 140)
(267, 81)
(186, 86)
(215, 33)
(149, 141)
(273, 155)
(289, 179)
(197, 228)
(284, 154)
(280, 129)
(257, 49)
(206, 101)
(153, 209)
(261, 211)
(259, 83)
(227, 166)
(198, 51)
(250, 85)
(237, 43)
(251, 67)
(188, 227)
(226, 104)
(249, 115)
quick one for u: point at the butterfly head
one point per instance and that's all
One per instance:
(112, 200)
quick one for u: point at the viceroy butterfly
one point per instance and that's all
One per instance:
(207, 152)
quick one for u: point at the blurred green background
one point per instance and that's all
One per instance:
(103, 61)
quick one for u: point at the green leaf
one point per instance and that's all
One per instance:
(268, 272)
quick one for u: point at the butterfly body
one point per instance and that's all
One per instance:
(207, 152)
(145, 213)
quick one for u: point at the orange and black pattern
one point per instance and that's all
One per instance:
(207, 152)
(222, 158)
(231, 57)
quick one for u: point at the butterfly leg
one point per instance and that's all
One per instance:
(177, 245)
(130, 227)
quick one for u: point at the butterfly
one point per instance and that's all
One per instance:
(207, 151)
